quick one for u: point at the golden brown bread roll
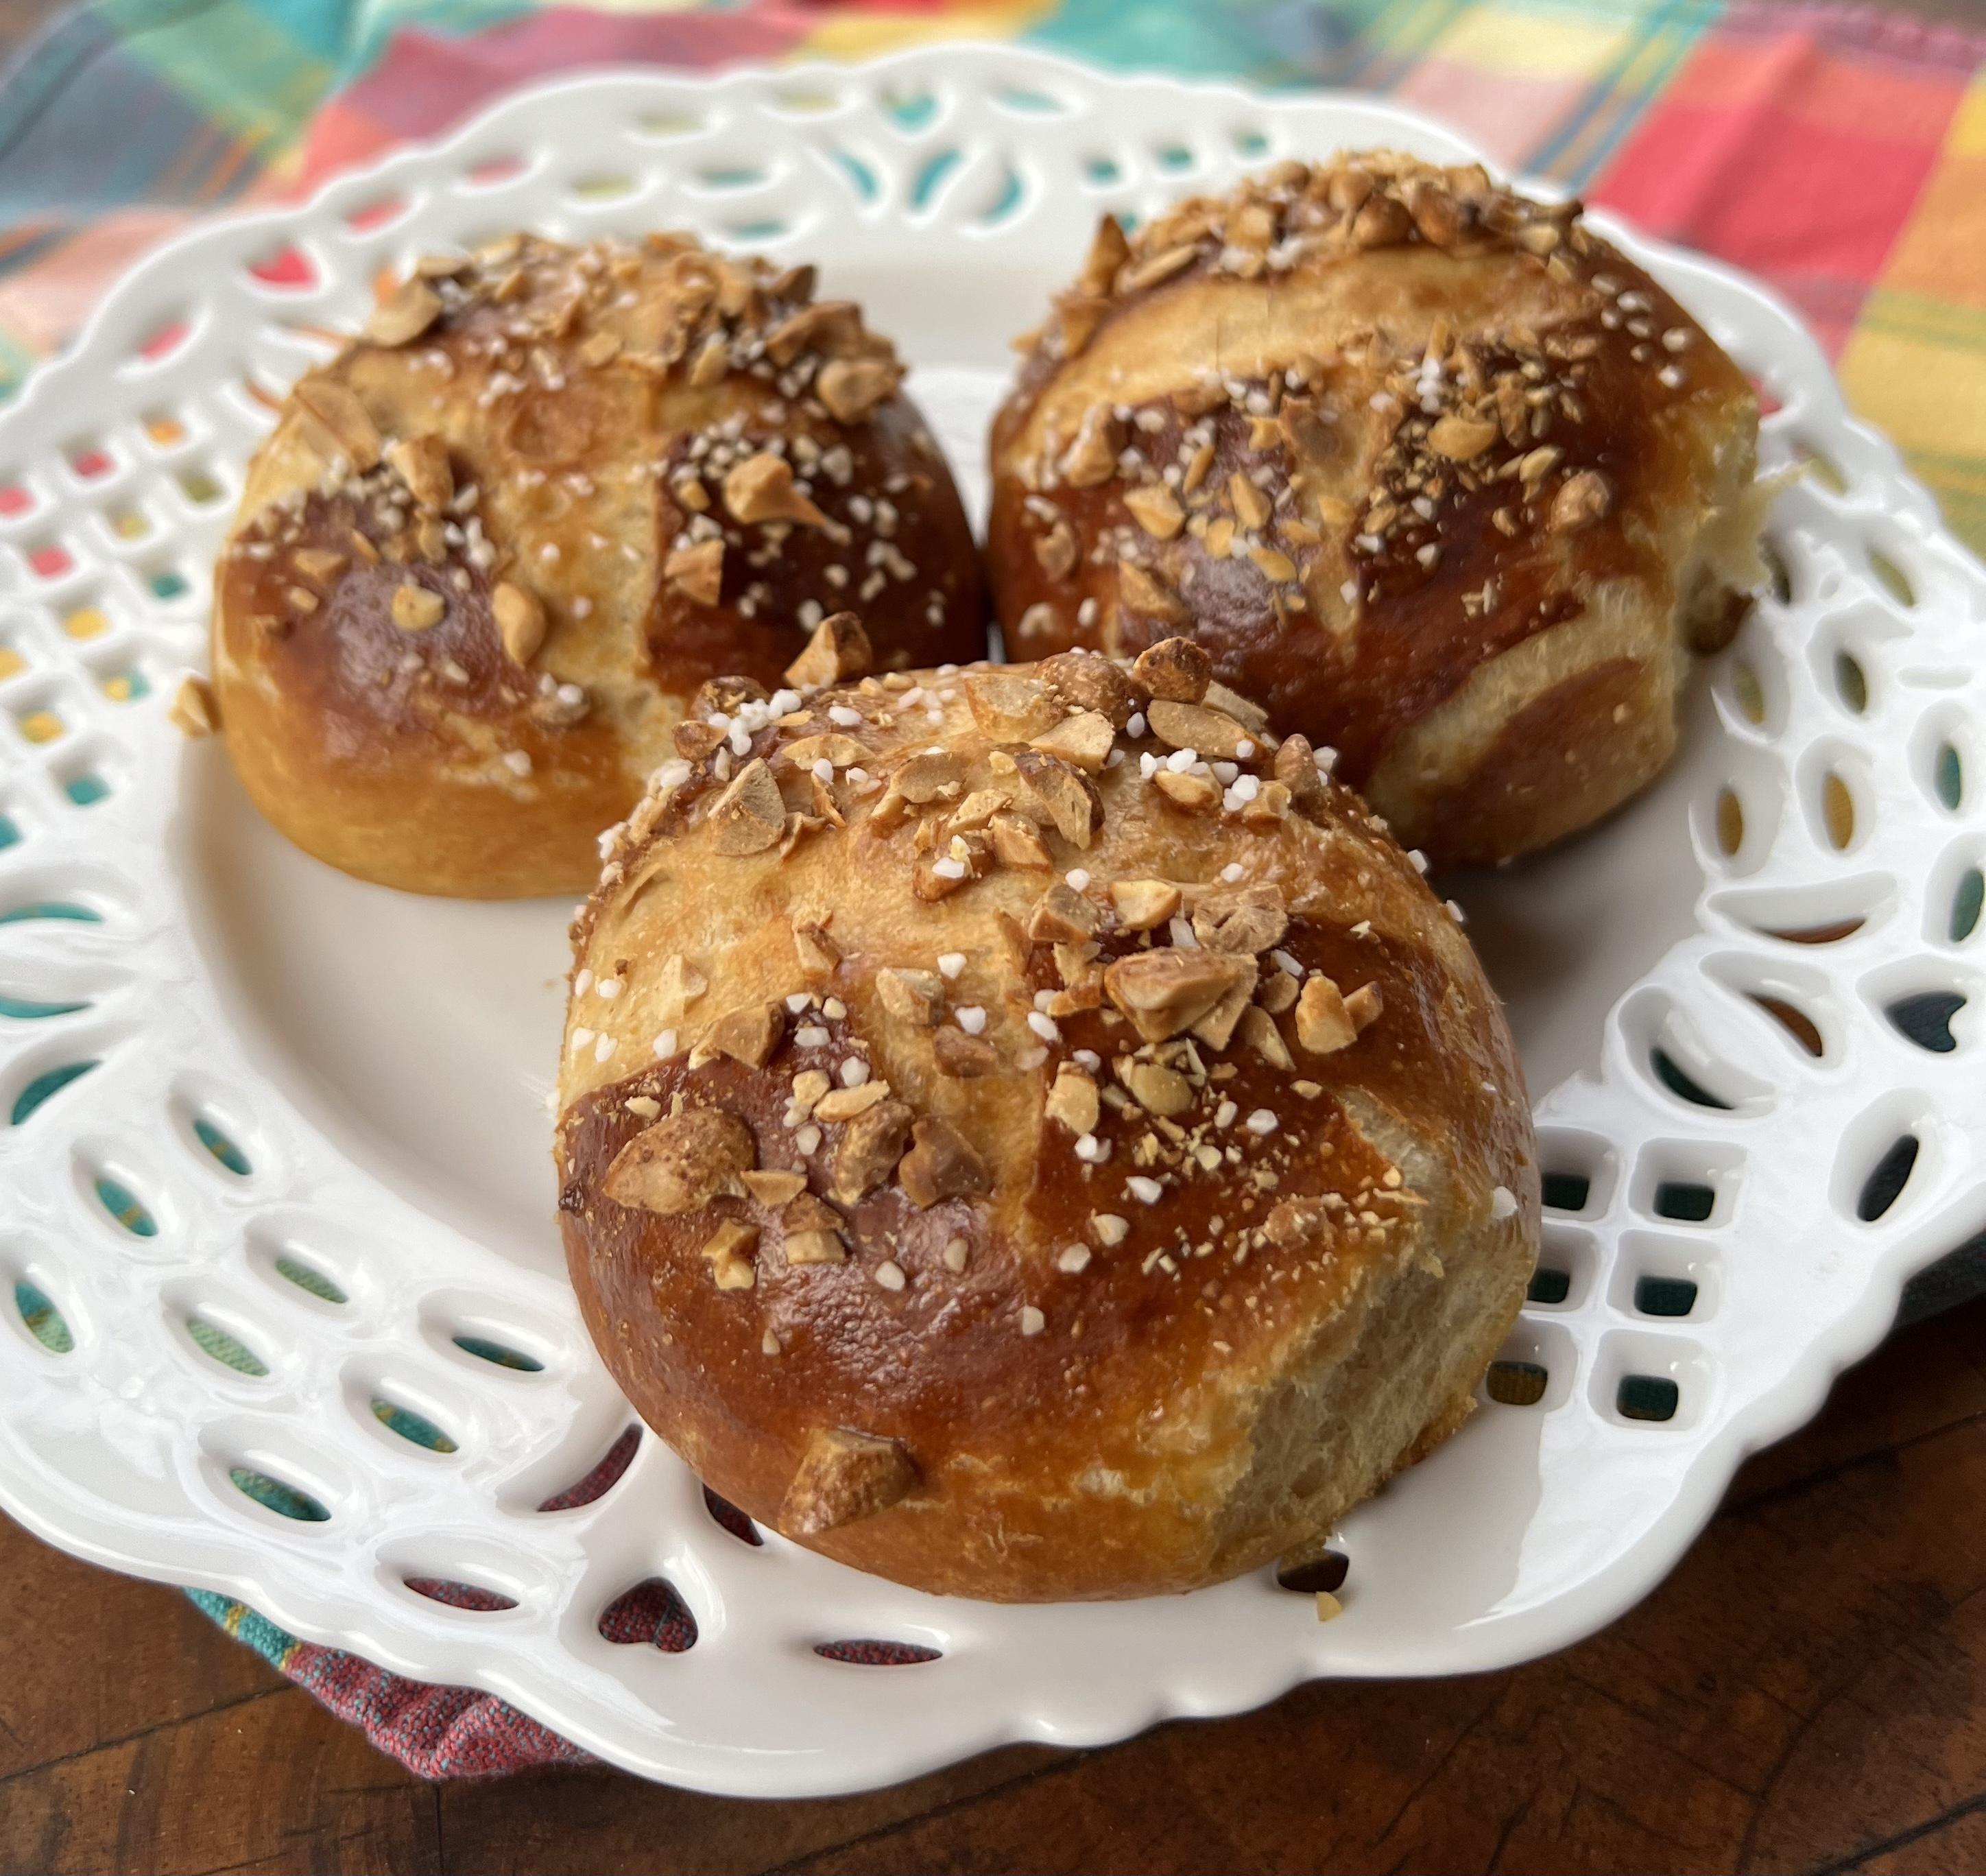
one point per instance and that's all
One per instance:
(1430, 470)
(489, 551)
(1010, 1152)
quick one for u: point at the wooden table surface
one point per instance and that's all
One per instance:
(1807, 1692)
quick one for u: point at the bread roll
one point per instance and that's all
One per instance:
(1025, 1133)
(1431, 471)
(489, 551)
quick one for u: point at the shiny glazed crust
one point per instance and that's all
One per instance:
(489, 551)
(1017, 1149)
(1446, 483)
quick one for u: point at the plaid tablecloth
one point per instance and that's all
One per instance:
(1837, 153)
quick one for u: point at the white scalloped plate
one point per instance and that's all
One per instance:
(378, 1062)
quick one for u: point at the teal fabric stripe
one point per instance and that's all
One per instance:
(1608, 90)
(275, 1646)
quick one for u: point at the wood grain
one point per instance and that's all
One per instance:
(1808, 1691)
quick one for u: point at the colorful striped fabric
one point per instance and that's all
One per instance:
(1838, 153)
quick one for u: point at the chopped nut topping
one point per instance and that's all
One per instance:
(1274, 563)
(1067, 796)
(1142, 592)
(811, 1229)
(1296, 769)
(405, 314)
(696, 572)
(1250, 504)
(1018, 843)
(1365, 1006)
(1175, 669)
(1251, 716)
(1090, 684)
(1167, 990)
(838, 650)
(1072, 1100)
(852, 388)
(773, 1189)
(963, 1057)
(415, 608)
(1258, 1029)
(911, 996)
(870, 1148)
(1057, 551)
(729, 1249)
(1158, 267)
(940, 1165)
(927, 776)
(844, 1475)
(520, 621)
(334, 423)
(319, 564)
(1084, 739)
(1216, 1028)
(422, 463)
(1538, 462)
(1008, 707)
(761, 489)
(965, 857)
(818, 953)
(1194, 794)
(1581, 500)
(1212, 734)
(682, 1163)
(1157, 1090)
(711, 362)
(749, 816)
(1278, 992)
(1382, 221)
(845, 1103)
(1249, 921)
(1436, 213)
(814, 1247)
(1062, 915)
(1155, 508)
(1108, 252)
(1091, 458)
(1292, 1220)
(678, 984)
(749, 1034)
(1461, 439)
(1144, 904)
(1327, 1021)
(193, 713)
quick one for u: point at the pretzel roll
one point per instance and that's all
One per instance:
(1432, 472)
(1025, 1133)
(491, 549)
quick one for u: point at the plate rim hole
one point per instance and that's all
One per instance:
(1511, 1382)
(651, 1613)
(1675, 1199)
(1888, 1179)
(602, 1477)
(1669, 1298)
(1652, 1400)
(278, 1496)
